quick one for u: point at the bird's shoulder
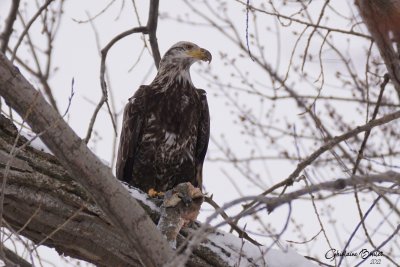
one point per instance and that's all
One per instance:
(201, 92)
(202, 96)
(138, 101)
(140, 94)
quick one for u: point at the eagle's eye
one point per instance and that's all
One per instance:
(188, 46)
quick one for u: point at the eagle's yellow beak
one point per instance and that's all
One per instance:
(200, 53)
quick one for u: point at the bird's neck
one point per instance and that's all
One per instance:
(172, 74)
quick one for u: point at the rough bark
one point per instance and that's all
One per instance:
(41, 191)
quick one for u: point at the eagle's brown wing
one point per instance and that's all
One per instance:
(132, 125)
(203, 135)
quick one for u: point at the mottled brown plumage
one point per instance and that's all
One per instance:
(166, 126)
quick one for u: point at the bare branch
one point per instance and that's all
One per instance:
(103, 84)
(241, 233)
(31, 21)
(339, 184)
(291, 19)
(90, 19)
(327, 146)
(149, 29)
(152, 29)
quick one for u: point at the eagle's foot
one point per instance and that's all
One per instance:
(154, 193)
(180, 208)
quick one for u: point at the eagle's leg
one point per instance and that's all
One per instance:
(153, 193)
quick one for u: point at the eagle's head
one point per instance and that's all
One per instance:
(175, 65)
(184, 54)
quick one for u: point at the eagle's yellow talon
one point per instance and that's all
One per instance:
(154, 193)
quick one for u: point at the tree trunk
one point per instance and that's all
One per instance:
(40, 191)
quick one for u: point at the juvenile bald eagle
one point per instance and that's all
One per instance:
(166, 126)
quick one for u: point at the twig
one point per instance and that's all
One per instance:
(140, 24)
(321, 14)
(41, 76)
(90, 19)
(26, 223)
(291, 19)
(149, 29)
(112, 112)
(375, 113)
(307, 241)
(32, 20)
(247, 29)
(318, 261)
(76, 213)
(241, 233)
(103, 84)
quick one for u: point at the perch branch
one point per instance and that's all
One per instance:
(40, 196)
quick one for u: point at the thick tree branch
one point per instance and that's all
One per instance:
(40, 196)
(336, 185)
(121, 209)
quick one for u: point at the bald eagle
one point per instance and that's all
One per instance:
(166, 126)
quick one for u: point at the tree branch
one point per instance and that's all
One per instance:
(327, 146)
(336, 185)
(40, 196)
(152, 29)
